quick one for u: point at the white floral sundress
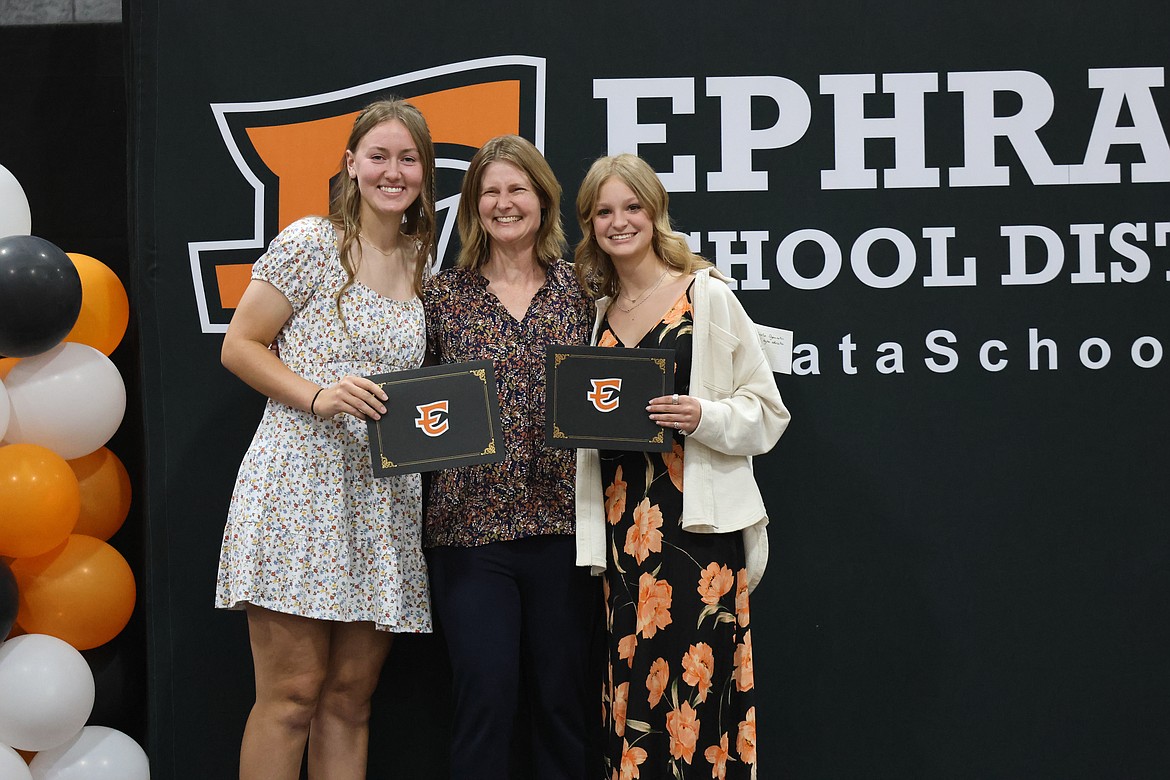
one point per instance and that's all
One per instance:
(310, 530)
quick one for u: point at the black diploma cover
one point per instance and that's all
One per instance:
(596, 397)
(437, 417)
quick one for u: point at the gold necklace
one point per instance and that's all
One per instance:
(636, 302)
(374, 246)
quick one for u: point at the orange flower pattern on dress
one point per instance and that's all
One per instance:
(657, 680)
(607, 339)
(615, 498)
(621, 697)
(742, 613)
(674, 464)
(715, 582)
(745, 742)
(745, 677)
(681, 307)
(632, 758)
(626, 646)
(683, 727)
(644, 536)
(718, 755)
(654, 597)
(678, 657)
(698, 667)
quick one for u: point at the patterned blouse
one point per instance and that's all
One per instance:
(531, 491)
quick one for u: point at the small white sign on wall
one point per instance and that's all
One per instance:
(777, 344)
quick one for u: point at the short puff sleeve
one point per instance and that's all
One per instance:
(297, 259)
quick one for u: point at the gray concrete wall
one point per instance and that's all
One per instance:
(15, 12)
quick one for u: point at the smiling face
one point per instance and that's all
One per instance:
(509, 208)
(387, 169)
(622, 226)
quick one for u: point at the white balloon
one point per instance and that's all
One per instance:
(70, 399)
(47, 692)
(97, 753)
(15, 218)
(12, 766)
(4, 413)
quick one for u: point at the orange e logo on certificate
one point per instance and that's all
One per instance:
(604, 395)
(432, 418)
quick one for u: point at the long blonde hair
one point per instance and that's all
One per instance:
(345, 201)
(476, 243)
(593, 267)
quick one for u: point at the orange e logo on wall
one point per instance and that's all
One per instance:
(604, 395)
(289, 150)
(432, 418)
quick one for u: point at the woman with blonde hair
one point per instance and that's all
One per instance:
(678, 536)
(325, 559)
(517, 614)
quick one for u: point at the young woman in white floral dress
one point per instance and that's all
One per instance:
(325, 559)
(678, 535)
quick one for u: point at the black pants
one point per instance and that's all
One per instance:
(518, 613)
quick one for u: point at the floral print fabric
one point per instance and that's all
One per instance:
(531, 492)
(679, 701)
(310, 530)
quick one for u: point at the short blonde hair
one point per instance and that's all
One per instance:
(476, 243)
(593, 266)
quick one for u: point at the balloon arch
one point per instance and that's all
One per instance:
(63, 494)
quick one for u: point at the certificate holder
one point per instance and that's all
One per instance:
(596, 397)
(438, 417)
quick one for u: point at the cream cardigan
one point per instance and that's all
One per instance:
(742, 416)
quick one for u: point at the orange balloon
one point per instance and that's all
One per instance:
(82, 592)
(105, 493)
(39, 500)
(6, 365)
(105, 309)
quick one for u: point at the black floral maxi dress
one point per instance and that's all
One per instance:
(680, 696)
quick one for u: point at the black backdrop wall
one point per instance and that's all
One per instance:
(960, 209)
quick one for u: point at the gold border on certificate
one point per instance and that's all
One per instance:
(487, 448)
(567, 426)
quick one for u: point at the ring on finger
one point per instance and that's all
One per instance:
(674, 399)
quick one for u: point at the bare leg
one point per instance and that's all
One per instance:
(340, 734)
(290, 654)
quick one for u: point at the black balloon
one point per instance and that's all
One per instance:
(9, 601)
(40, 295)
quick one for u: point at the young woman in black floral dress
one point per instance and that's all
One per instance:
(679, 700)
